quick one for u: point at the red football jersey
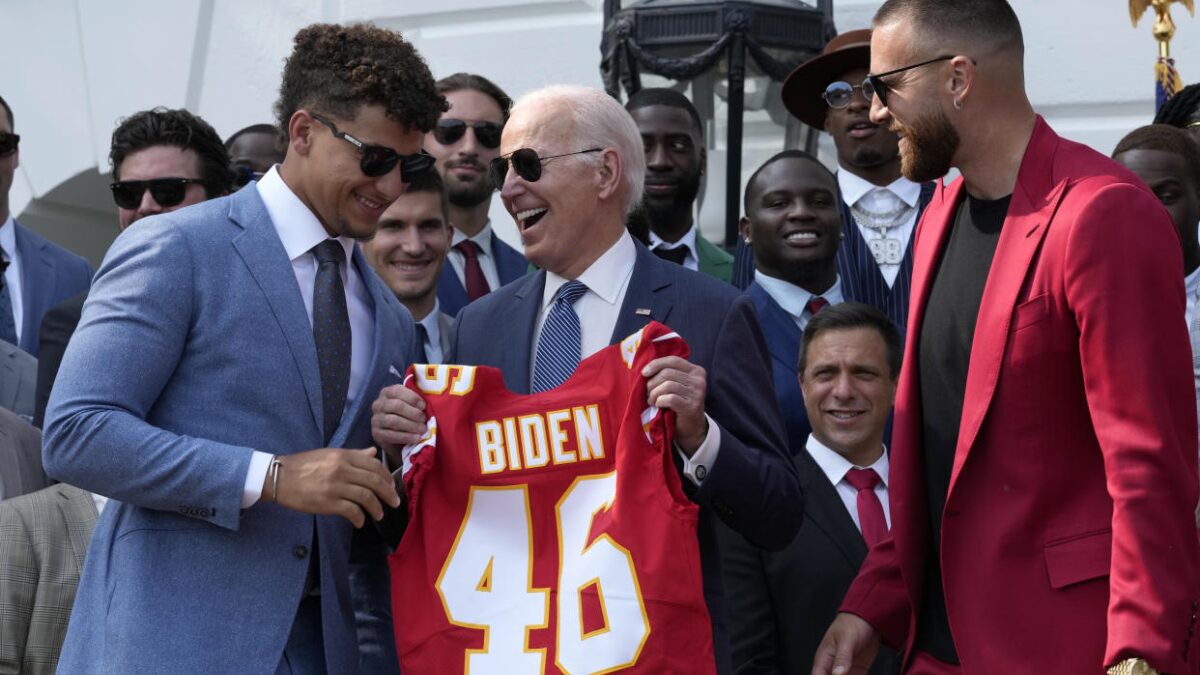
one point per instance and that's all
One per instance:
(549, 533)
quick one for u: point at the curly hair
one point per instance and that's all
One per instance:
(180, 129)
(338, 69)
(1182, 108)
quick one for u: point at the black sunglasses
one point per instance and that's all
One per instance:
(166, 191)
(875, 86)
(244, 173)
(526, 163)
(378, 160)
(8, 143)
(449, 131)
(839, 94)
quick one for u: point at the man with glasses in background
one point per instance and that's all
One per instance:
(162, 160)
(218, 388)
(465, 140)
(35, 274)
(879, 205)
(253, 151)
(1043, 461)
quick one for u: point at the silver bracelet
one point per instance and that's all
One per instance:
(273, 472)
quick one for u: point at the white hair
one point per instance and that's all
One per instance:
(600, 122)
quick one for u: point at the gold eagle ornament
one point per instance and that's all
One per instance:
(1164, 27)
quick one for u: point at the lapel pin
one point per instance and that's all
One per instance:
(642, 311)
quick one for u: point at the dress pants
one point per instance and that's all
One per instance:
(305, 650)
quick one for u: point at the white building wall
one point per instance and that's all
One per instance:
(74, 67)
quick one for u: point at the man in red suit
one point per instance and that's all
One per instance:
(1044, 448)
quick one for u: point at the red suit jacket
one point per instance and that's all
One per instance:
(1068, 541)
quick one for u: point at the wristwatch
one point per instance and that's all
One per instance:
(1133, 667)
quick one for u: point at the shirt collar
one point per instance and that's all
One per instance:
(8, 238)
(835, 467)
(688, 240)
(605, 277)
(791, 297)
(854, 188)
(483, 238)
(298, 228)
(432, 326)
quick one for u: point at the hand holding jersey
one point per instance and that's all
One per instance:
(332, 481)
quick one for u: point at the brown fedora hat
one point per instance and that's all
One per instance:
(803, 87)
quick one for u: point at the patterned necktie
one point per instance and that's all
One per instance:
(870, 510)
(676, 255)
(477, 285)
(560, 342)
(816, 304)
(422, 338)
(331, 329)
(8, 326)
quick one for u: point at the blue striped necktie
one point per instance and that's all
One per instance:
(560, 342)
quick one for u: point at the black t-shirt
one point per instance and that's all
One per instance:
(945, 340)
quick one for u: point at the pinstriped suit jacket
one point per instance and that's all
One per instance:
(43, 540)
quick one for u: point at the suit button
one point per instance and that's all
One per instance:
(701, 472)
(300, 552)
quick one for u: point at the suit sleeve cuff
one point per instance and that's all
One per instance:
(255, 476)
(697, 466)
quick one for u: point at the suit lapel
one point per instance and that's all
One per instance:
(450, 292)
(1033, 204)
(781, 332)
(263, 253)
(824, 507)
(37, 284)
(10, 378)
(648, 297)
(514, 339)
(79, 513)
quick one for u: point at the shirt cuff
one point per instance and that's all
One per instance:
(697, 466)
(256, 475)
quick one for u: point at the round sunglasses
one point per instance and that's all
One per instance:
(378, 160)
(450, 131)
(166, 191)
(839, 94)
(526, 163)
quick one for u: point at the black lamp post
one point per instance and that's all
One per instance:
(687, 40)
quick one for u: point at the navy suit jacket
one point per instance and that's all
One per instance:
(510, 266)
(781, 603)
(49, 275)
(753, 486)
(783, 341)
(195, 349)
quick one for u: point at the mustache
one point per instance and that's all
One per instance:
(470, 162)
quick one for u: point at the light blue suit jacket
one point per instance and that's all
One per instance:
(193, 350)
(49, 275)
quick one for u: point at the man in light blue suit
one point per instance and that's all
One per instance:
(220, 344)
(37, 274)
(572, 168)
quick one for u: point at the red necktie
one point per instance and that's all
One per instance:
(477, 285)
(816, 304)
(870, 510)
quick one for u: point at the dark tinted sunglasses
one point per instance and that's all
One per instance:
(8, 144)
(243, 174)
(875, 86)
(449, 131)
(378, 160)
(526, 163)
(166, 191)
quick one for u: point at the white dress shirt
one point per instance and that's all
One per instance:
(1191, 287)
(487, 261)
(12, 275)
(433, 334)
(836, 467)
(607, 281)
(688, 241)
(300, 230)
(793, 299)
(877, 199)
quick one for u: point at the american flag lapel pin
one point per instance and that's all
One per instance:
(642, 311)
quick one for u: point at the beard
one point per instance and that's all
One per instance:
(467, 195)
(929, 148)
(684, 197)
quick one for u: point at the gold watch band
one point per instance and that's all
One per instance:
(1133, 667)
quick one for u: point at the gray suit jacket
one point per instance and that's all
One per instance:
(20, 457)
(43, 540)
(446, 328)
(195, 349)
(18, 380)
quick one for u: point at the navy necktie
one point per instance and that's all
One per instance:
(422, 338)
(676, 255)
(561, 340)
(331, 330)
(8, 326)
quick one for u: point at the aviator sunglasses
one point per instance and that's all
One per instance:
(449, 131)
(378, 160)
(526, 163)
(166, 191)
(8, 144)
(875, 86)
